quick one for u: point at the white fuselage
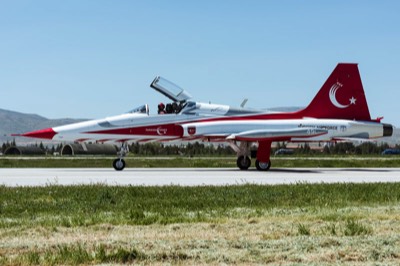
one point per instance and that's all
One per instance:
(137, 127)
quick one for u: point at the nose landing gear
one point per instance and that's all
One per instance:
(119, 163)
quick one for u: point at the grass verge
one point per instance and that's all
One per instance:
(298, 224)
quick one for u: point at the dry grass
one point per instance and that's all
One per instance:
(274, 237)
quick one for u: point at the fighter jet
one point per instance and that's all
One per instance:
(339, 111)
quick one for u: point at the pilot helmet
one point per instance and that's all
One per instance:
(161, 106)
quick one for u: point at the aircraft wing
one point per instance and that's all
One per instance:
(249, 132)
(262, 134)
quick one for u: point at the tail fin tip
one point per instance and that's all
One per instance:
(341, 96)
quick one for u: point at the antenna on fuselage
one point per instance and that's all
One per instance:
(244, 102)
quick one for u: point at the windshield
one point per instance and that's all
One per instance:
(143, 109)
(169, 89)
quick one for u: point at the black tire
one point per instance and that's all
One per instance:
(119, 164)
(263, 166)
(243, 162)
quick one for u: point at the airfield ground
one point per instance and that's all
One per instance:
(296, 224)
(301, 224)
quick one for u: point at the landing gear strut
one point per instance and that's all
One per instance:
(263, 163)
(119, 163)
(243, 152)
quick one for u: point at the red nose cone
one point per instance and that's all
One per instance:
(47, 133)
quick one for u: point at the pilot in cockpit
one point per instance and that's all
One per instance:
(176, 108)
(168, 108)
(161, 110)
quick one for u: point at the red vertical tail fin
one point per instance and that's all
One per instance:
(341, 97)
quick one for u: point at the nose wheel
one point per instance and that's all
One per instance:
(119, 164)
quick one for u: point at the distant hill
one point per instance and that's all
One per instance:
(14, 122)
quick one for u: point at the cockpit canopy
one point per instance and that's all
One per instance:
(143, 109)
(171, 90)
(182, 105)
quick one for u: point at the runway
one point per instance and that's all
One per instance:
(13, 177)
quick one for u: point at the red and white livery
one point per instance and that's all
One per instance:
(339, 111)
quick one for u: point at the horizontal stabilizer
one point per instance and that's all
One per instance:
(261, 134)
(360, 140)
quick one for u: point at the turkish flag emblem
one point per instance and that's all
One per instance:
(191, 130)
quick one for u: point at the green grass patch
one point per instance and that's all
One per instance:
(354, 228)
(301, 224)
(78, 254)
(71, 206)
(303, 230)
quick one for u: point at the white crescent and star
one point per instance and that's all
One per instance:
(161, 131)
(332, 96)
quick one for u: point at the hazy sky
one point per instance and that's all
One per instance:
(90, 59)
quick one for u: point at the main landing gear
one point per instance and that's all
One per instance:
(263, 166)
(243, 162)
(263, 162)
(119, 163)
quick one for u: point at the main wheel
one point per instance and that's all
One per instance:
(263, 166)
(243, 162)
(119, 164)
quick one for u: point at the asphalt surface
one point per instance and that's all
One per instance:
(192, 176)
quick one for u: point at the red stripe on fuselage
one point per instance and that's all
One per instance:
(167, 130)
